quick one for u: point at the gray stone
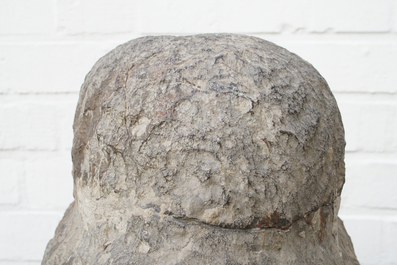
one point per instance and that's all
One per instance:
(207, 149)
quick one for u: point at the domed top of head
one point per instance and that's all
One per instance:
(224, 129)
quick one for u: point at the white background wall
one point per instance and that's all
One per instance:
(47, 47)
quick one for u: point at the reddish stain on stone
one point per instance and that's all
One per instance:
(274, 221)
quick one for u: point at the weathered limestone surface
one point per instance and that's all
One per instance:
(207, 149)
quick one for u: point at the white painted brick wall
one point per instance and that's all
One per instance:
(394, 17)
(198, 16)
(48, 46)
(25, 234)
(10, 170)
(352, 63)
(351, 16)
(21, 17)
(92, 16)
(52, 66)
(370, 121)
(48, 181)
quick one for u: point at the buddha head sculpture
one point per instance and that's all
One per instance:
(207, 149)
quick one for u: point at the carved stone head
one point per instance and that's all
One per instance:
(207, 149)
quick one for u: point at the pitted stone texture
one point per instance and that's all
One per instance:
(222, 133)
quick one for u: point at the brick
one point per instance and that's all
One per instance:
(95, 16)
(351, 16)
(373, 237)
(394, 17)
(10, 170)
(183, 17)
(49, 182)
(170, 17)
(47, 67)
(28, 125)
(24, 235)
(351, 65)
(366, 235)
(20, 17)
(264, 16)
(369, 122)
(390, 242)
(370, 184)
(33, 122)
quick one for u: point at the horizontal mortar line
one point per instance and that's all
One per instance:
(20, 149)
(328, 30)
(299, 32)
(370, 215)
(64, 42)
(386, 93)
(38, 93)
(20, 260)
(328, 41)
(88, 34)
(361, 152)
(37, 212)
(372, 208)
(57, 34)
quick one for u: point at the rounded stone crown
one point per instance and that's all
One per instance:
(227, 130)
